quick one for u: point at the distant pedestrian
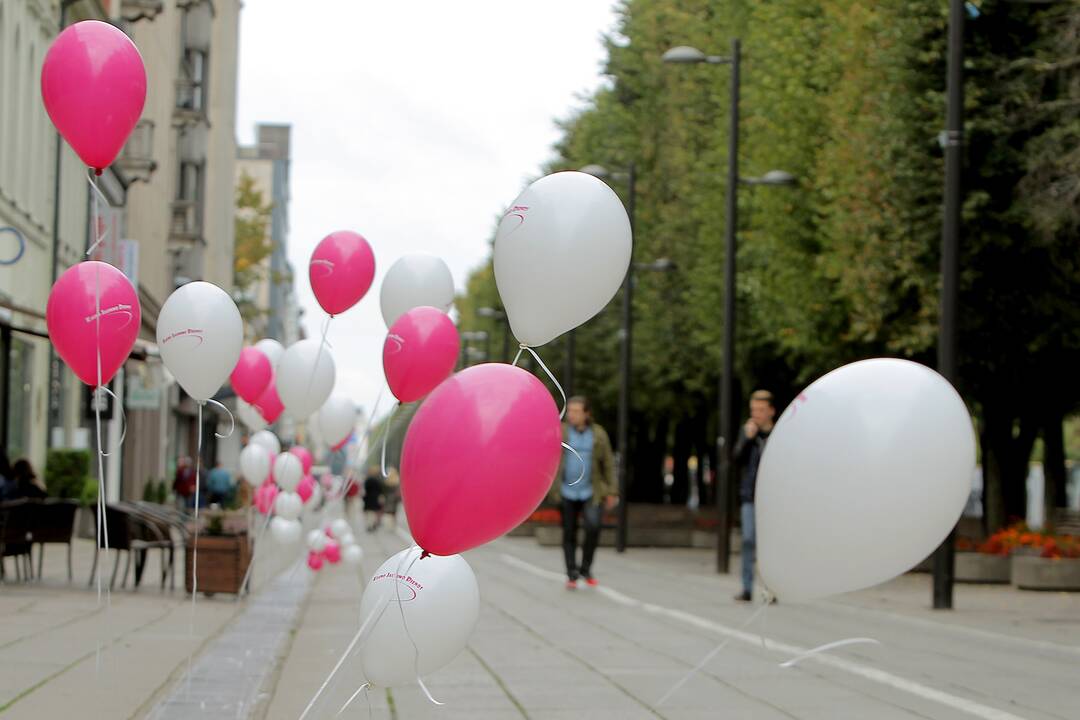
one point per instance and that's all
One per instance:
(391, 495)
(373, 498)
(24, 482)
(184, 483)
(748, 451)
(585, 487)
(220, 485)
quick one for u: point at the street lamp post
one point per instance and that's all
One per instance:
(726, 441)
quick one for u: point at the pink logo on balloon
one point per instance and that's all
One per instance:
(80, 332)
(479, 457)
(269, 404)
(93, 84)
(341, 270)
(251, 375)
(190, 333)
(419, 352)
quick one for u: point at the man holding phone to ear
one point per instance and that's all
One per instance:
(748, 451)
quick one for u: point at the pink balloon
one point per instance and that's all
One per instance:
(305, 457)
(306, 488)
(93, 84)
(74, 323)
(479, 457)
(341, 270)
(265, 496)
(314, 560)
(332, 552)
(419, 352)
(252, 374)
(269, 404)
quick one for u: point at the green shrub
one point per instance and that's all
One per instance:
(149, 491)
(162, 492)
(89, 494)
(66, 471)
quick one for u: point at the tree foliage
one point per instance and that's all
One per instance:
(253, 247)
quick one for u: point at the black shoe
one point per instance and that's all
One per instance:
(743, 597)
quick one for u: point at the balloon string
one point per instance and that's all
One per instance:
(351, 478)
(318, 355)
(580, 462)
(404, 622)
(368, 621)
(705, 660)
(544, 367)
(123, 417)
(385, 436)
(195, 544)
(99, 197)
(362, 689)
(251, 562)
(102, 520)
(829, 646)
(232, 420)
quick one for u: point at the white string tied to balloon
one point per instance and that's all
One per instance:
(525, 348)
(405, 624)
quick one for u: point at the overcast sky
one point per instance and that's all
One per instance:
(414, 124)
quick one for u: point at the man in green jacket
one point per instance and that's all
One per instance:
(581, 486)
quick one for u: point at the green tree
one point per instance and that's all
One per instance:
(253, 247)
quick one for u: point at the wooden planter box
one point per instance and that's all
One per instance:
(980, 568)
(1036, 573)
(223, 562)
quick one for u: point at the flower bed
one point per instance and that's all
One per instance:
(1036, 560)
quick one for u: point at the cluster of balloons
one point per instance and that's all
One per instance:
(333, 543)
(283, 483)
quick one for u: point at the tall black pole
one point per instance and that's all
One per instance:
(727, 422)
(950, 258)
(625, 358)
(568, 370)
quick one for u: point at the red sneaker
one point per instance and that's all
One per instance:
(571, 584)
(591, 581)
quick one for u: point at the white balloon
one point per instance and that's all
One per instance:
(337, 419)
(288, 471)
(339, 528)
(353, 556)
(316, 540)
(441, 603)
(347, 539)
(316, 496)
(865, 473)
(561, 253)
(412, 281)
(288, 505)
(305, 377)
(255, 464)
(268, 441)
(199, 336)
(249, 415)
(285, 531)
(272, 349)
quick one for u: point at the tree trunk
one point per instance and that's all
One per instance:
(1053, 465)
(1006, 456)
(649, 447)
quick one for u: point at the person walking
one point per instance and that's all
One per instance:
(373, 498)
(391, 496)
(583, 487)
(220, 485)
(184, 483)
(748, 451)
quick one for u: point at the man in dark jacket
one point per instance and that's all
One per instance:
(748, 452)
(584, 487)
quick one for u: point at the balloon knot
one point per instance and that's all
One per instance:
(98, 171)
(424, 554)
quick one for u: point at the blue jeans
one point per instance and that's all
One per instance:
(749, 545)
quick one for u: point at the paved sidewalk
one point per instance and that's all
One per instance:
(543, 652)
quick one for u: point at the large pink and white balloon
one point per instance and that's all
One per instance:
(200, 335)
(440, 602)
(900, 468)
(569, 231)
(413, 281)
(305, 378)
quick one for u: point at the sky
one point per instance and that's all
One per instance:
(414, 124)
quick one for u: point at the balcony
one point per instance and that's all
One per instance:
(136, 160)
(192, 142)
(186, 226)
(190, 103)
(135, 10)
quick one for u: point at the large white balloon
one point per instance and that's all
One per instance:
(865, 473)
(337, 419)
(441, 603)
(561, 252)
(288, 505)
(305, 377)
(249, 415)
(268, 441)
(285, 531)
(288, 471)
(412, 281)
(272, 349)
(255, 464)
(200, 335)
